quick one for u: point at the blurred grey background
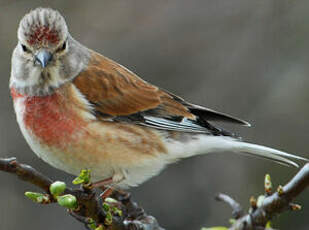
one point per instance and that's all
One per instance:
(247, 58)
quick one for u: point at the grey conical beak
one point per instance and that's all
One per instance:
(43, 57)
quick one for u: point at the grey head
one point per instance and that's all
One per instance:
(46, 55)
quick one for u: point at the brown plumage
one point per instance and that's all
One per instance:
(78, 109)
(117, 91)
(120, 94)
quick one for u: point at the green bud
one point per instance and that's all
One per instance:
(37, 197)
(268, 184)
(106, 207)
(92, 224)
(116, 211)
(232, 221)
(100, 228)
(268, 224)
(280, 190)
(83, 178)
(253, 202)
(67, 201)
(108, 219)
(57, 188)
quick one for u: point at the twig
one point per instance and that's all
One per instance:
(89, 202)
(237, 210)
(25, 173)
(272, 205)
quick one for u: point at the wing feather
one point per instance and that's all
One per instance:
(119, 94)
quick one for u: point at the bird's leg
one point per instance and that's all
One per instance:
(107, 192)
(103, 183)
(106, 184)
(115, 179)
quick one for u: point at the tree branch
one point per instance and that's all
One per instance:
(89, 202)
(133, 217)
(271, 205)
(25, 173)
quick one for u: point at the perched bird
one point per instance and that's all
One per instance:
(80, 110)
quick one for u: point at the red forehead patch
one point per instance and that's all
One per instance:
(43, 34)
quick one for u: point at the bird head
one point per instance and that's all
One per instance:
(46, 55)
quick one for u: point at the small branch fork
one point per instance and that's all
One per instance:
(237, 210)
(270, 205)
(89, 202)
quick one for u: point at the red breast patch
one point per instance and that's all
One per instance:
(51, 118)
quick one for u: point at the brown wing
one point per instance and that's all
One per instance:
(119, 94)
(116, 91)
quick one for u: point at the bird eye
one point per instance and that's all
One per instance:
(25, 49)
(63, 47)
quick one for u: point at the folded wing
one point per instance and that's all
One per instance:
(118, 94)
